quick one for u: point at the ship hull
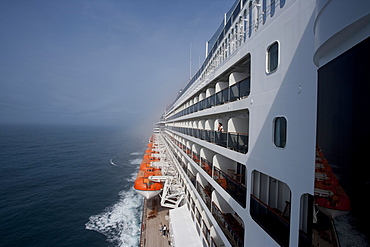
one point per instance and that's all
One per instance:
(148, 193)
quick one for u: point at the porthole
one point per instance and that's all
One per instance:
(280, 132)
(272, 57)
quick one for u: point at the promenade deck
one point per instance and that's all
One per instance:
(154, 216)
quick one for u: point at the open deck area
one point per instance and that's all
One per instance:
(154, 217)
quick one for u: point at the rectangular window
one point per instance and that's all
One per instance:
(280, 131)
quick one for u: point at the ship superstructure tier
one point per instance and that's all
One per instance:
(243, 132)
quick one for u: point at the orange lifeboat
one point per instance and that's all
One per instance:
(329, 195)
(144, 165)
(143, 185)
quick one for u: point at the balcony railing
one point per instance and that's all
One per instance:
(213, 243)
(221, 138)
(206, 232)
(235, 189)
(198, 216)
(191, 177)
(205, 194)
(206, 166)
(195, 157)
(229, 94)
(233, 230)
(271, 221)
(235, 141)
(183, 165)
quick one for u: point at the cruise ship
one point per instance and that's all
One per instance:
(267, 142)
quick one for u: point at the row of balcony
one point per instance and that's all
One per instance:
(234, 141)
(233, 183)
(229, 94)
(232, 229)
(205, 229)
(274, 219)
(207, 235)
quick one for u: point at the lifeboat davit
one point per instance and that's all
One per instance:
(151, 151)
(330, 197)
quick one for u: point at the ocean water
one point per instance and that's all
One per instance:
(69, 186)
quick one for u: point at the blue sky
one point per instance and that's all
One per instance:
(99, 62)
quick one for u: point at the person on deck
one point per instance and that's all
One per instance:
(164, 230)
(220, 128)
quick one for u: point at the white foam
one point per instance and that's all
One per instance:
(136, 153)
(121, 222)
(136, 161)
(132, 178)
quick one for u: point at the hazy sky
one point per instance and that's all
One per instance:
(99, 62)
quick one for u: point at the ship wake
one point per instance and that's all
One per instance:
(121, 222)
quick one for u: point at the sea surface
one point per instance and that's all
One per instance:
(69, 186)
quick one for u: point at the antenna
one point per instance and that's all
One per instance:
(191, 44)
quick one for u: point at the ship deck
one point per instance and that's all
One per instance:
(154, 216)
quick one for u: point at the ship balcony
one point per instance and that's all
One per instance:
(232, 181)
(270, 206)
(205, 193)
(231, 227)
(229, 94)
(232, 140)
(271, 221)
(234, 188)
(230, 224)
(183, 164)
(191, 176)
(195, 157)
(207, 236)
(207, 166)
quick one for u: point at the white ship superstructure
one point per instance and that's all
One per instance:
(251, 183)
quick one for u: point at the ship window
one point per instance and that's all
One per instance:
(280, 131)
(272, 57)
